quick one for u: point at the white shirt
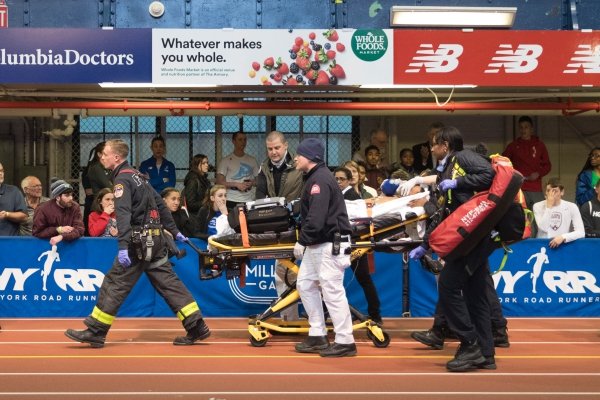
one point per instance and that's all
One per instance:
(563, 219)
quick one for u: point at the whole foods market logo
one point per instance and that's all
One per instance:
(369, 45)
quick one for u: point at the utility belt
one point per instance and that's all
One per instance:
(337, 241)
(146, 240)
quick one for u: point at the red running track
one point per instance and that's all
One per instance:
(548, 359)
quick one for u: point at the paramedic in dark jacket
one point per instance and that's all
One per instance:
(462, 282)
(141, 215)
(324, 237)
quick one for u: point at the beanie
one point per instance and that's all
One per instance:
(312, 148)
(59, 187)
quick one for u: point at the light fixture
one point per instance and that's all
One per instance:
(452, 17)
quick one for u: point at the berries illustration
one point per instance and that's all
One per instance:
(331, 35)
(299, 41)
(322, 78)
(269, 63)
(312, 36)
(282, 67)
(315, 65)
(340, 47)
(255, 66)
(337, 70)
(327, 46)
(330, 54)
(252, 73)
(333, 80)
(294, 68)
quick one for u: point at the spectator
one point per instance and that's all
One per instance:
(172, 199)
(590, 214)
(530, 157)
(422, 151)
(32, 187)
(405, 169)
(214, 206)
(237, 172)
(343, 177)
(375, 174)
(588, 177)
(60, 217)
(94, 178)
(378, 138)
(196, 184)
(355, 180)
(102, 219)
(557, 219)
(362, 178)
(13, 210)
(278, 177)
(160, 171)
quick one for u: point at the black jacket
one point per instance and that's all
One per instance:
(195, 187)
(322, 208)
(135, 201)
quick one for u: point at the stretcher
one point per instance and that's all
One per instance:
(228, 255)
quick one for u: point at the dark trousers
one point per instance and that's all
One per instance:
(463, 297)
(119, 281)
(496, 312)
(361, 271)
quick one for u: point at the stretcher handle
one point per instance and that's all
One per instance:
(384, 244)
(196, 248)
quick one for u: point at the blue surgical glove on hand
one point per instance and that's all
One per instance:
(298, 251)
(447, 184)
(181, 238)
(389, 186)
(417, 253)
(123, 258)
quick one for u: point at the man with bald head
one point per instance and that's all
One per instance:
(32, 188)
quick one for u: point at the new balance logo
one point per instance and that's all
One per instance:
(519, 61)
(440, 60)
(587, 58)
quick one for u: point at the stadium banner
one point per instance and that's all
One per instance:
(536, 281)
(277, 57)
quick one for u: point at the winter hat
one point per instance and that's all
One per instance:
(312, 148)
(59, 187)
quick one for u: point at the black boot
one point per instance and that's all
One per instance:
(86, 336)
(199, 332)
(489, 363)
(339, 350)
(312, 344)
(501, 337)
(432, 338)
(467, 357)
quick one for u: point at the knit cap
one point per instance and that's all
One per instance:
(312, 149)
(59, 187)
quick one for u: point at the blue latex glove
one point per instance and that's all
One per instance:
(181, 238)
(389, 186)
(447, 184)
(417, 253)
(123, 258)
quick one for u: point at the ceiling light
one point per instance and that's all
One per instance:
(456, 17)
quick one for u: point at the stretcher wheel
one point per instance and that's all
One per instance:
(258, 343)
(377, 342)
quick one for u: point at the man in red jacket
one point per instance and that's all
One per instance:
(530, 157)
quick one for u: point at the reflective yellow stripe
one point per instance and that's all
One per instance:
(188, 310)
(456, 171)
(102, 316)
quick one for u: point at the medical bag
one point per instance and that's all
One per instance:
(262, 216)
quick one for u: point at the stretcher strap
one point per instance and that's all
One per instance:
(244, 228)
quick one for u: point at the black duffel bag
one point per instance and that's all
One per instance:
(268, 215)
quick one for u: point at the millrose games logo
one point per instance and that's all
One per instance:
(547, 286)
(369, 44)
(31, 283)
(260, 284)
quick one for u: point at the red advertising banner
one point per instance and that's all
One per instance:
(496, 58)
(3, 14)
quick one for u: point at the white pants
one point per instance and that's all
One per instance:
(323, 273)
(290, 313)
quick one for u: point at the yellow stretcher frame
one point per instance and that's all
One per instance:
(260, 326)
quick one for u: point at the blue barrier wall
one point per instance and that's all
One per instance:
(34, 282)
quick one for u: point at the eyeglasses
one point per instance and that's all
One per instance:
(34, 187)
(340, 179)
(595, 155)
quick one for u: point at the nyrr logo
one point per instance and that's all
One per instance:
(560, 286)
(369, 44)
(260, 283)
(76, 280)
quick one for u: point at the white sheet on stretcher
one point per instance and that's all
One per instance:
(390, 206)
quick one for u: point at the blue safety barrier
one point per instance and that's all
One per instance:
(37, 282)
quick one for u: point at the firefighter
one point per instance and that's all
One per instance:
(141, 216)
